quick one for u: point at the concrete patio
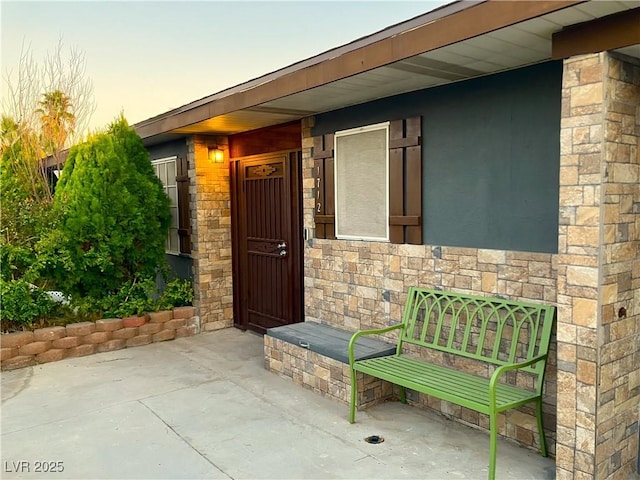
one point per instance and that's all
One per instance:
(204, 407)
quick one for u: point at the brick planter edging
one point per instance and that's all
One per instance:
(23, 349)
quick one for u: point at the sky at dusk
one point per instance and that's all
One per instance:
(145, 58)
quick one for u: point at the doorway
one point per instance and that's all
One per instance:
(267, 240)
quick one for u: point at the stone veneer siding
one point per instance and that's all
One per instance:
(51, 344)
(358, 285)
(326, 376)
(618, 414)
(599, 269)
(210, 192)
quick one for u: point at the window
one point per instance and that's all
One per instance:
(362, 183)
(368, 183)
(174, 175)
(165, 169)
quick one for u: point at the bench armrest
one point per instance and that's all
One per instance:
(360, 333)
(493, 383)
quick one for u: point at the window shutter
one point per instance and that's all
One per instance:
(324, 211)
(184, 222)
(405, 181)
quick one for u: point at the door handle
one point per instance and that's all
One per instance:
(281, 245)
(283, 253)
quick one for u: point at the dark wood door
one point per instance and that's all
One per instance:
(267, 240)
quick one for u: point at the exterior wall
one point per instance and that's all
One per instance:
(580, 217)
(265, 140)
(491, 155)
(326, 376)
(619, 339)
(598, 354)
(168, 149)
(356, 285)
(181, 265)
(210, 193)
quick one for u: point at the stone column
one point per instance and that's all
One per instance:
(579, 264)
(210, 193)
(618, 404)
(598, 247)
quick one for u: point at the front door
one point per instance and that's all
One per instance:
(267, 240)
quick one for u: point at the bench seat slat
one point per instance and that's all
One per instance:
(458, 387)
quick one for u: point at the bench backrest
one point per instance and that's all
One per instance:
(481, 328)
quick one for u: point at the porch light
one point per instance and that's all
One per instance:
(216, 155)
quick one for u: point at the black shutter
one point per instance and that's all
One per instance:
(324, 191)
(405, 181)
(184, 221)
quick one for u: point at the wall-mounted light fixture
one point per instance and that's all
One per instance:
(216, 155)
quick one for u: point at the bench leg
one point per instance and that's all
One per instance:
(493, 424)
(354, 397)
(543, 440)
(403, 394)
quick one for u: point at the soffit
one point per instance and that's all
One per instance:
(515, 46)
(632, 51)
(245, 120)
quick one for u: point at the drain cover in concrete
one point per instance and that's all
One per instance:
(374, 439)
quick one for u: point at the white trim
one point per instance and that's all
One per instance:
(162, 161)
(366, 128)
(354, 131)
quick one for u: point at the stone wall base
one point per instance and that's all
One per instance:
(326, 376)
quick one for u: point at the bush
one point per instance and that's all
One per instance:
(177, 293)
(114, 217)
(26, 306)
(136, 298)
(101, 241)
(26, 211)
(15, 261)
(133, 298)
(23, 304)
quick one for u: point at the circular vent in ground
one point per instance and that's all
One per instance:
(374, 439)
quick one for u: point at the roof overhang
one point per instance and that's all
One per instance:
(619, 31)
(462, 40)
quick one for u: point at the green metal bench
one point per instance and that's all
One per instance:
(503, 336)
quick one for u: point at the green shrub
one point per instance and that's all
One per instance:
(26, 212)
(15, 261)
(138, 297)
(23, 304)
(101, 242)
(114, 217)
(177, 293)
(133, 298)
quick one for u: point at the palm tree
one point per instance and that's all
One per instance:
(57, 120)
